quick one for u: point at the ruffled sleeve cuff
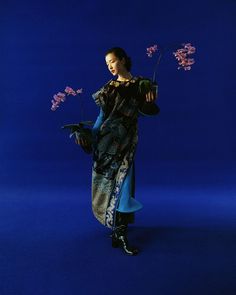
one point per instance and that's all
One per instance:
(100, 96)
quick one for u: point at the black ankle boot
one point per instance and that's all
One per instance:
(119, 239)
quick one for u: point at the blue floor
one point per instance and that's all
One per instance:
(50, 243)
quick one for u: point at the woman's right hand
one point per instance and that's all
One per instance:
(81, 141)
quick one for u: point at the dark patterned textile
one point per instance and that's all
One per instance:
(115, 146)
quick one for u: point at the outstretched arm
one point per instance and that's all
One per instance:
(148, 92)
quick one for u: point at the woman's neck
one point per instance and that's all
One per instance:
(124, 76)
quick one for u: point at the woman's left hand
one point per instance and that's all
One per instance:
(150, 96)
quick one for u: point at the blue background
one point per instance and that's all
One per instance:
(185, 162)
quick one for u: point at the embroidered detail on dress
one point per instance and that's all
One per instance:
(115, 195)
(116, 83)
(99, 96)
(110, 212)
(116, 143)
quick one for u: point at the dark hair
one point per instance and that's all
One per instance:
(120, 53)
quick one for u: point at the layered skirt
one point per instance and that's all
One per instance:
(113, 175)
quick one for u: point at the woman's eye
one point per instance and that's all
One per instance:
(113, 61)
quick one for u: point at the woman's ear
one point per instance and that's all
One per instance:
(123, 61)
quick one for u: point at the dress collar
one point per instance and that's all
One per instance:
(117, 83)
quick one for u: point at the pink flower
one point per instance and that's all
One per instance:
(187, 68)
(182, 56)
(56, 98)
(79, 90)
(61, 97)
(190, 49)
(54, 105)
(151, 50)
(69, 90)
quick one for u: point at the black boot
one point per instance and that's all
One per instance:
(119, 239)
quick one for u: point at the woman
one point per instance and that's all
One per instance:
(114, 143)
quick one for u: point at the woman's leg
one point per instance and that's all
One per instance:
(119, 235)
(125, 214)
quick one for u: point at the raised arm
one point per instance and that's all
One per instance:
(148, 94)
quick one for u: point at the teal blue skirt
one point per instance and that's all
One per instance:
(127, 203)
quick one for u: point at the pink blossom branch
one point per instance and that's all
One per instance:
(182, 55)
(61, 97)
(151, 50)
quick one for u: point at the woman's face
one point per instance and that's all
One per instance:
(114, 64)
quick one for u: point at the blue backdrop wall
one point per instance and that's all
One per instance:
(47, 46)
(185, 162)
